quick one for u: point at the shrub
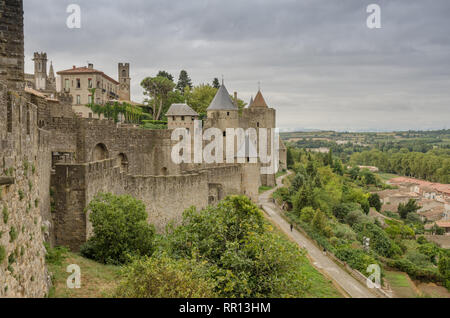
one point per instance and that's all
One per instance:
(157, 277)
(356, 217)
(379, 241)
(244, 255)
(12, 234)
(307, 214)
(5, 214)
(404, 209)
(120, 229)
(418, 259)
(444, 270)
(55, 255)
(341, 210)
(319, 222)
(356, 258)
(421, 240)
(2, 253)
(345, 232)
(374, 201)
(422, 274)
(397, 230)
(430, 250)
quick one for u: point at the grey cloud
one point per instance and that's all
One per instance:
(320, 66)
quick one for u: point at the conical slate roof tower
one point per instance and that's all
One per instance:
(222, 100)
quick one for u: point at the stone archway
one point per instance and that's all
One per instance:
(100, 152)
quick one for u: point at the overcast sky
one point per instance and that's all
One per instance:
(318, 63)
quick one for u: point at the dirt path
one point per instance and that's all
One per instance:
(322, 262)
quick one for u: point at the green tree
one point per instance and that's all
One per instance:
(120, 229)
(216, 83)
(183, 81)
(444, 269)
(157, 88)
(319, 221)
(200, 97)
(246, 258)
(404, 209)
(307, 214)
(166, 75)
(374, 201)
(289, 158)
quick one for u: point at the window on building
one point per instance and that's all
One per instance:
(224, 133)
(78, 83)
(182, 117)
(89, 82)
(173, 117)
(257, 124)
(124, 73)
(67, 83)
(192, 118)
(78, 99)
(90, 99)
(228, 113)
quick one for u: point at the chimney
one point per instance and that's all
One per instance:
(74, 67)
(235, 99)
(91, 66)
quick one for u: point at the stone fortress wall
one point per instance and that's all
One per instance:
(53, 163)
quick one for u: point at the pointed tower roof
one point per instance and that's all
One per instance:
(51, 72)
(222, 100)
(259, 100)
(251, 101)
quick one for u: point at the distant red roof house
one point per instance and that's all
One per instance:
(439, 187)
(444, 224)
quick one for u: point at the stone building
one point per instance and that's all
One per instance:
(181, 116)
(41, 80)
(79, 83)
(53, 162)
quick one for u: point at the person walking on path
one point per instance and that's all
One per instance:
(292, 226)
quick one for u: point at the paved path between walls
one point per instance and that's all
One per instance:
(340, 277)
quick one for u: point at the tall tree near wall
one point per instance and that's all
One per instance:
(166, 75)
(183, 81)
(157, 89)
(216, 83)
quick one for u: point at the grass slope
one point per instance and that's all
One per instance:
(97, 280)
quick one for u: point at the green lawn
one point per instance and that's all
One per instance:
(264, 189)
(401, 285)
(97, 280)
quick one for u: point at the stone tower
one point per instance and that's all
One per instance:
(11, 44)
(51, 79)
(125, 81)
(40, 70)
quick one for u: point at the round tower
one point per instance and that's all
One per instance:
(222, 113)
